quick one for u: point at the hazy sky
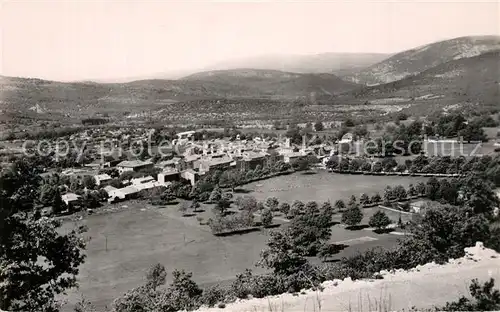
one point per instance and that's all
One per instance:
(69, 40)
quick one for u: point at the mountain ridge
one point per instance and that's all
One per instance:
(418, 59)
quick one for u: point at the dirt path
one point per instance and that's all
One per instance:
(422, 287)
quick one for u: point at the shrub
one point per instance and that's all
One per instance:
(484, 298)
(215, 295)
(231, 222)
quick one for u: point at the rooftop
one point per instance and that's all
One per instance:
(103, 176)
(70, 197)
(133, 163)
(128, 190)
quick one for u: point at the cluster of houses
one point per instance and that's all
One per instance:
(192, 160)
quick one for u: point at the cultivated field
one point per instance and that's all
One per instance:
(323, 186)
(124, 243)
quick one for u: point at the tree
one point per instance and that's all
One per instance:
(349, 123)
(432, 189)
(233, 179)
(227, 196)
(412, 191)
(352, 216)
(477, 193)
(90, 200)
(248, 203)
(284, 208)
(376, 198)
(448, 193)
(298, 206)
(364, 199)
(37, 261)
(449, 229)
(339, 205)
(89, 182)
(260, 206)
(310, 232)
(267, 217)
(195, 205)
(377, 167)
(312, 208)
(167, 196)
(281, 255)
(327, 211)
(318, 126)
(294, 212)
(352, 200)
(272, 203)
(58, 204)
(399, 192)
(388, 195)
(421, 188)
(222, 206)
(473, 133)
(216, 195)
(183, 292)
(47, 193)
(156, 276)
(183, 208)
(379, 220)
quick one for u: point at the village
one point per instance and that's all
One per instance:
(185, 159)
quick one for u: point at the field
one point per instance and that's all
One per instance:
(323, 186)
(122, 244)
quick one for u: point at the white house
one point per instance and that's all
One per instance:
(102, 178)
(185, 135)
(168, 175)
(190, 175)
(133, 165)
(290, 156)
(123, 193)
(108, 189)
(69, 198)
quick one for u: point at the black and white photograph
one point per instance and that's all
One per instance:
(249, 156)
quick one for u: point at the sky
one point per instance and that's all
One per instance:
(84, 40)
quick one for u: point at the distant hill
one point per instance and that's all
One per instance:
(414, 61)
(275, 83)
(44, 96)
(473, 80)
(336, 63)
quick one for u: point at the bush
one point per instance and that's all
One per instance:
(230, 223)
(215, 295)
(484, 298)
